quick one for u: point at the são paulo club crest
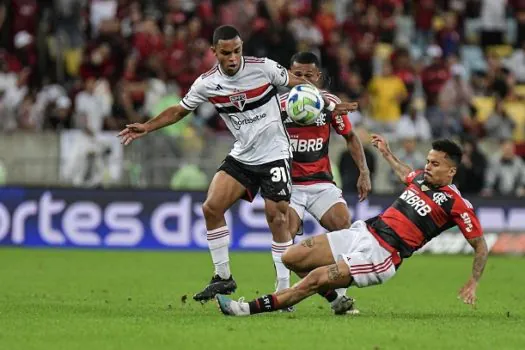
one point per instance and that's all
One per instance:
(238, 101)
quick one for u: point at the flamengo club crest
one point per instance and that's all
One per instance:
(238, 101)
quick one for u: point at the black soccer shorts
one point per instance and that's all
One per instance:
(274, 178)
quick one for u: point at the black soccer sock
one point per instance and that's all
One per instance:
(330, 295)
(266, 303)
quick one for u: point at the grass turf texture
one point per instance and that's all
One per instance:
(53, 299)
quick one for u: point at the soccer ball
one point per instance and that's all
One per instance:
(304, 104)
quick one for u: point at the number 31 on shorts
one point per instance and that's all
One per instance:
(278, 174)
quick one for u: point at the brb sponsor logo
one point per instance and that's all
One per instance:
(310, 145)
(419, 205)
(237, 122)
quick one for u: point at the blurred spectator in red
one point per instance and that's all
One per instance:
(424, 12)
(433, 77)
(403, 67)
(389, 10)
(23, 16)
(325, 18)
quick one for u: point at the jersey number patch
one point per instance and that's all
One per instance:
(278, 174)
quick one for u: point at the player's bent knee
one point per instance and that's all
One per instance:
(291, 259)
(212, 210)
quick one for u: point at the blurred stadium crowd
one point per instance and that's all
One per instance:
(420, 69)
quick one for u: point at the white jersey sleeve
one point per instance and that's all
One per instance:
(195, 96)
(277, 74)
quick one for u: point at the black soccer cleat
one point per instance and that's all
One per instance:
(216, 286)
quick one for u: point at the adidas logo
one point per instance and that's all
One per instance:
(283, 192)
(219, 87)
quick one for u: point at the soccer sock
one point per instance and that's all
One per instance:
(330, 295)
(266, 303)
(218, 241)
(333, 294)
(283, 274)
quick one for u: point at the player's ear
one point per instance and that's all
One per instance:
(452, 171)
(319, 76)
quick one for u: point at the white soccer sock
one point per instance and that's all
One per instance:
(341, 291)
(218, 242)
(283, 274)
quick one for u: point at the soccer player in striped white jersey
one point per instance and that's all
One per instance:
(243, 90)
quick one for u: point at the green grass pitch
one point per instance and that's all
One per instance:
(57, 299)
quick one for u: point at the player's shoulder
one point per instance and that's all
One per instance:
(210, 73)
(453, 192)
(252, 60)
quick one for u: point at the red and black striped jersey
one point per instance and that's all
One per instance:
(421, 213)
(310, 162)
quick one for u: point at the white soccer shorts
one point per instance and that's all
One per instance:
(315, 198)
(368, 261)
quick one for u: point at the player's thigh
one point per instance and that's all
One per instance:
(232, 181)
(309, 254)
(369, 263)
(327, 205)
(336, 218)
(223, 192)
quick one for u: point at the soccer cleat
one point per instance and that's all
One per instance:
(344, 305)
(216, 286)
(231, 307)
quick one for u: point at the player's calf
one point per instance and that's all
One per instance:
(321, 279)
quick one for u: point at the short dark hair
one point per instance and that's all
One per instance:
(225, 32)
(305, 57)
(450, 148)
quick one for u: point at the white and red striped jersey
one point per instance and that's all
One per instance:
(310, 163)
(249, 105)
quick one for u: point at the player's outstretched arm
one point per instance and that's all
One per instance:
(481, 253)
(336, 109)
(167, 117)
(401, 169)
(355, 147)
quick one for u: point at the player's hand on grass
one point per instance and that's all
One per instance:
(132, 132)
(380, 143)
(468, 292)
(364, 185)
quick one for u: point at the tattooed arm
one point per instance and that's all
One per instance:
(481, 252)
